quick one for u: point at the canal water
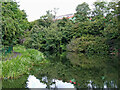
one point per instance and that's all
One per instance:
(70, 70)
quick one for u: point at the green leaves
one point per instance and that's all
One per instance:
(45, 38)
(83, 11)
(88, 43)
(100, 8)
(21, 64)
(53, 36)
(14, 23)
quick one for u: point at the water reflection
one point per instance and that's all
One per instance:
(33, 82)
(100, 69)
(71, 70)
(15, 83)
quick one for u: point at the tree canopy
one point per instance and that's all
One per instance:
(89, 30)
(14, 23)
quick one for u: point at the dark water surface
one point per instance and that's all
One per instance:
(70, 70)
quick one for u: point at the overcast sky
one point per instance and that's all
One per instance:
(36, 8)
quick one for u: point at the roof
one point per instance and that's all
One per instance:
(62, 16)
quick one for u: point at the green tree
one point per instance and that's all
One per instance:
(83, 11)
(45, 20)
(65, 26)
(44, 38)
(100, 8)
(14, 23)
(111, 31)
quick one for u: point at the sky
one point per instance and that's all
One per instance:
(36, 8)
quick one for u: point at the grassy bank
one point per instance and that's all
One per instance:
(13, 67)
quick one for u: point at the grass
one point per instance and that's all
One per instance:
(22, 64)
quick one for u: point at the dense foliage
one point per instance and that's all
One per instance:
(14, 23)
(13, 67)
(98, 27)
(100, 69)
(91, 31)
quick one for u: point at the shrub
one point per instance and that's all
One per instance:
(87, 43)
(22, 64)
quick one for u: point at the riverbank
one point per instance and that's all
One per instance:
(22, 63)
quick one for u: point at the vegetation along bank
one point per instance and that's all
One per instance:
(88, 31)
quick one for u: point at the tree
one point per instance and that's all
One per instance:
(55, 11)
(100, 8)
(83, 11)
(44, 38)
(45, 20)
(14, 23)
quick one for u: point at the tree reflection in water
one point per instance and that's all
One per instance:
(88, 71)
(101, 70)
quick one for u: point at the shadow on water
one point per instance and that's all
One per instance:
(15, 83)
(71, 70)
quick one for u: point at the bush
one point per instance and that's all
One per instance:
(87, 43)
(22, 64)
(44, 38)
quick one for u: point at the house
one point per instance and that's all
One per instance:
(69, 16)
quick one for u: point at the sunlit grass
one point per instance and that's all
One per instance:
(21, 64)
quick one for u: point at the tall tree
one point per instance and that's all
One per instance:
(100, 8)
(14, 23)
(45, 20)
(82, 12)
